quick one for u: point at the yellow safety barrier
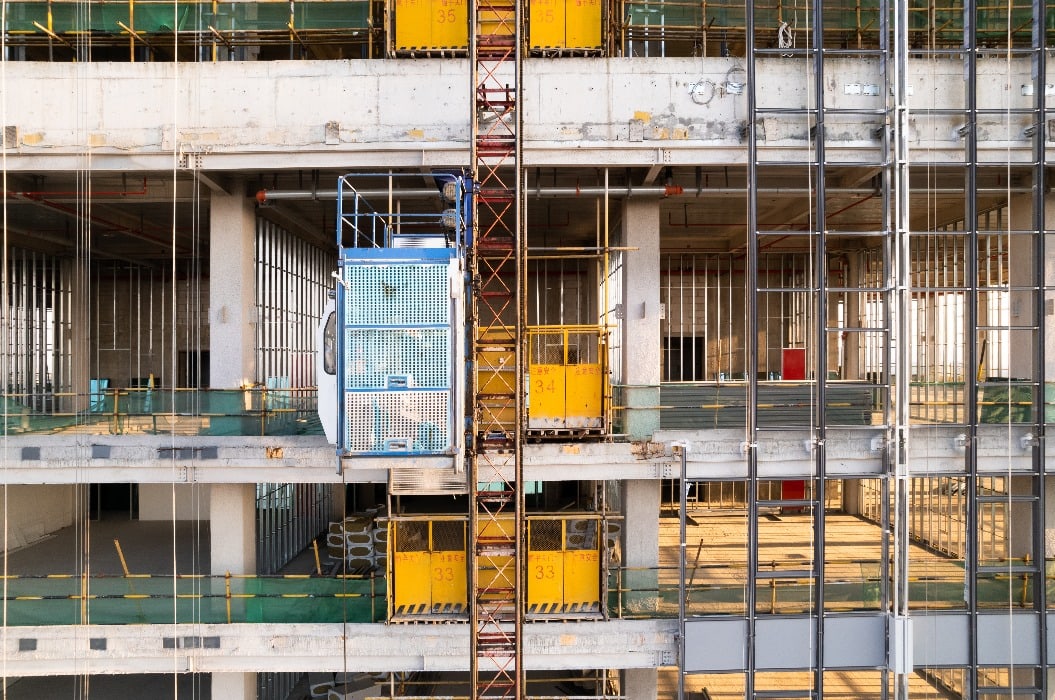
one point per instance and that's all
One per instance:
(564, 566)
(430, 25)
(430, 565)
(567, 378)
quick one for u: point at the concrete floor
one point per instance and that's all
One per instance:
(853, 557)
(148, 549)
(841, 685)
(130, 687)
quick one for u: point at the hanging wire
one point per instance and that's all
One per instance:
(814, 326)
(4, 327)
(82, 281)
(1006, 282)
(173, 316)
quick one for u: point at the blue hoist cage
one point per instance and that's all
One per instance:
(401, 321)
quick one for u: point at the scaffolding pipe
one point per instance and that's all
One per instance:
(820, 337)
(902, 280)
(1041, 324)
(971, 320)
(750, 446)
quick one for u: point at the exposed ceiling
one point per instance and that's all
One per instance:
(150, 218)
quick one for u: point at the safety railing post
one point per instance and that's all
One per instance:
(227, 594)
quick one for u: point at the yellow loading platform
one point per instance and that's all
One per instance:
(568, 384)
(565, 25)
(428, 26)
(429, 569)
(428, 560)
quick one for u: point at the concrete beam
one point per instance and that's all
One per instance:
(243, 648)
(585, 111)
(713, 454)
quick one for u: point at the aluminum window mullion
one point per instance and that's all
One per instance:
(751, 352)
(1040, 321)
(971, 553)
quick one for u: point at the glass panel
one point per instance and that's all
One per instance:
(716, 551)
(937, 526)
(939, 683)
(717, 686)
(853, 551)
(785, 550)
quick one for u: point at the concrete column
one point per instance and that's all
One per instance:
(234, 686)
(642, 359)
(1020, 522)
(640, 683)
(641, 503)
(157, 501)
(232, 529)
(232, 290)
(852, 340)
(1049, 518)
(833, 363)
(852, 496)
(338, 502)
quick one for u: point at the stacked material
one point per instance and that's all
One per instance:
(354, 686)
(343, 686)
(380, 541)
(358, 543)
(614, 547)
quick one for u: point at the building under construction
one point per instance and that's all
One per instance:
(633, 349)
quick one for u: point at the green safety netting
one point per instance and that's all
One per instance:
(159, 600)
(166, 18)
(839, 15)
(213, 412)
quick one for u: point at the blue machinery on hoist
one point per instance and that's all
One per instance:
(395, 342)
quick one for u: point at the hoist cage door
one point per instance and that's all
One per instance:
(429, 25)
(567, 378)
(565, 25)
(564, 566)
(429, 568)
(401, 352)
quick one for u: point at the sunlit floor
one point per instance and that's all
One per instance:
(155, 547)
(846, 685)
(717, 558)
(717, 555)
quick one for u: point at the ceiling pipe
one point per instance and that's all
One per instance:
(265, 196)
(94, 220)
(79, 193)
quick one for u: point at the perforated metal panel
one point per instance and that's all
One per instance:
(386, 358)
(397, 295)
(398, 356)
(397, 421)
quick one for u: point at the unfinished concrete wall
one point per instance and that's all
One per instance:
(577, 110)
(158, 501)
(33, 512)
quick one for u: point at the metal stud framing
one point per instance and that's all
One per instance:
(39, 347)
(497, 318)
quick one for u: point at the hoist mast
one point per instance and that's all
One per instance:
(496, 320)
